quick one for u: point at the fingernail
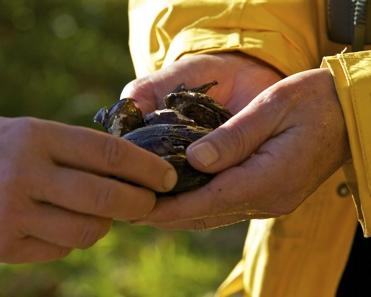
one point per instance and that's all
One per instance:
(170, 179)
(205, 153)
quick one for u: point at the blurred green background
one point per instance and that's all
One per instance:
(62, 60)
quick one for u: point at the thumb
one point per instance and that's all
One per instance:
(243, 134)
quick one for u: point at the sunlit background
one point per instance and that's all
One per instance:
(62, 60)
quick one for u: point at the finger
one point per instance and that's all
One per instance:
(265, 185)
(224, 195)
(91, 150)
(142, 90)
(64, 228)
(91, 194)
(32, 250)
(240, 136)
(202, 223)
(150, 90)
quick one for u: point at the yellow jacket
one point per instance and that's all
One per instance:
(302, 254)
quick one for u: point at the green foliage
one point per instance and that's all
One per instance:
(133, 262)
(62, 60)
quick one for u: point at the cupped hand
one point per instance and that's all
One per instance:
(268, 158)
(57, 190)
(240, 78)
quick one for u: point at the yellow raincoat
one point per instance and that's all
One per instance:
(302, 254)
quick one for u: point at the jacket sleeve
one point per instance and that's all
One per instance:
(352, 76)
(281, 33)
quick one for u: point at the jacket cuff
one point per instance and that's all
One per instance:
(285, 57)
(352, 76)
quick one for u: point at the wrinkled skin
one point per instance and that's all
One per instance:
(286, 138)
(57, 190)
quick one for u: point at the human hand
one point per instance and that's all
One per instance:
(240, 79)
(268, 158)
(56, 187)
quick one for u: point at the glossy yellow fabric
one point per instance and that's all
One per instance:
(163, 31)
(302, 254)
(352, 73)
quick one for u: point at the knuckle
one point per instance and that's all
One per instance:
(241, 142)
(140, 211)
(25, 136)
(27, 128)
(87, 237)
(12, 177)
(277, 93)
(105, 200)
(280, 97)
(237, 139)
(91, 233)
(148, 202)
(114, 152)
(63, 252)
(17, 135)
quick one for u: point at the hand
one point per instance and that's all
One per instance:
(56, 187)
(240, 79)
(268, 158)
